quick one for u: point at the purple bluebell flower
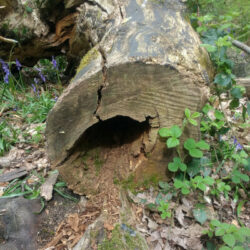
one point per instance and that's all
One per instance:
(242, 54)
(6, 70)
(56, 98)
(54, 62)
(238, 146)
(42, 77)
(18, 65)
(40, 74)
(33, 87)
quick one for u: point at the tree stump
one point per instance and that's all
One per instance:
(146, 66)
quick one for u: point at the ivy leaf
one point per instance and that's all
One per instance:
(172, 142)
(229, 239)
(164, 132)
(200, 214)
(203, 145)
(196, 153)
(223, 80)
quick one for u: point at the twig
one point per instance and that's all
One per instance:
(240, 45)
(8, 40)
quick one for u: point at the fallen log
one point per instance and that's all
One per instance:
(146, 66)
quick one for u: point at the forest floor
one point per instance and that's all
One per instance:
(63, 222)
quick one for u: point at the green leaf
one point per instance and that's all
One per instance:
(195, 115)
(245, 231)
(194, 152)
(210, 48)
(189, 144)
(172, 142)
(200, 214)
(177, 183)
(202, 186)
(209, 180)
(172, 167)
(193, 122)
(215, 223)
(164, 132)
(176, 131)
(236, 93)
(218, 115)
(183, 167)
(229, 239)
(185, 191)
(223, 80)
(225, 248)
(238, 248)
(206, 108)
(203, 145)
(187, 113)
(244, 177)
(219, 231)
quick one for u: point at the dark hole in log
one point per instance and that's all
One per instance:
(113, 132)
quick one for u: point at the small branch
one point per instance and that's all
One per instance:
(7, 40)
(240, 45)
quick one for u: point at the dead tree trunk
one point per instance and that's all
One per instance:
(145, 68)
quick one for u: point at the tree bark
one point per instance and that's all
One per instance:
(146, 65)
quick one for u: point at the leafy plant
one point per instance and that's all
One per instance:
(164, 209)
(232, 236)
(202, 182)
(173, 133)
(194, 148)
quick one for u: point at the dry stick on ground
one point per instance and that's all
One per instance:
(240, 45)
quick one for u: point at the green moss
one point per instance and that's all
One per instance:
(123, 240)
(91, 55)
(133, 185)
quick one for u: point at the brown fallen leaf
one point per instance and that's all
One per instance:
(108, 226)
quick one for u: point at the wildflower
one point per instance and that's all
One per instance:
(6, 70)
(54, 62)
(56, 98)
(238, 146)
(18, 65)
(33, 87)
(42, 77)
(41, 74)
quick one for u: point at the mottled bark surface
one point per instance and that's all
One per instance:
(145, 67)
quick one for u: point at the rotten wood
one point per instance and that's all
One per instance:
(17, 173)
(46, 190)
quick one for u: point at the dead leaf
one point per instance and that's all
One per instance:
(73, 221)
(180, 216)
(108, 226)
